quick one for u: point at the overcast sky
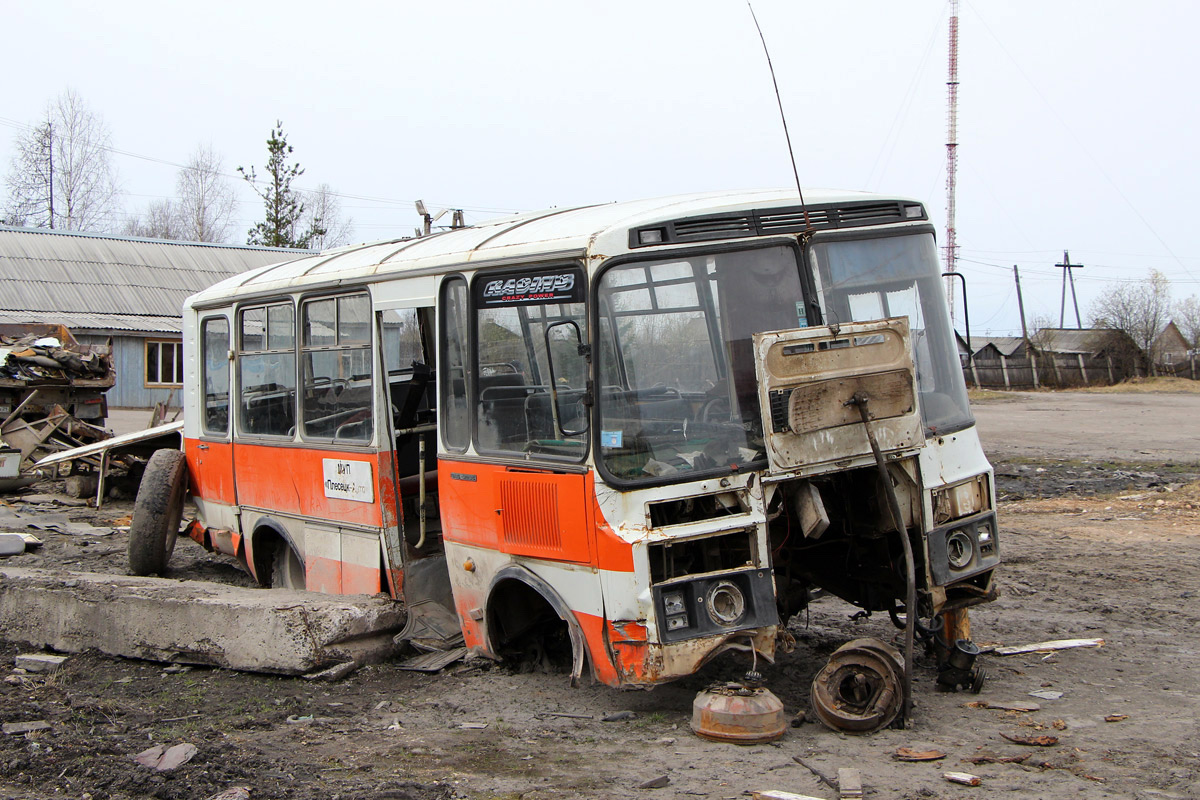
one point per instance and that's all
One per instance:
(1077, 120)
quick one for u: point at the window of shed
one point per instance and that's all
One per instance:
(164, 363)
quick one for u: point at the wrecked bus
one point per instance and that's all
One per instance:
(634, 435)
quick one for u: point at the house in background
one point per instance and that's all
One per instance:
(1171, 348)
(129, 290)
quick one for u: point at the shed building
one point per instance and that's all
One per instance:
(131, 290)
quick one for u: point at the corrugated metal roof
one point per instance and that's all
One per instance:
(1075, 340)
(601, 229)
(99, 322)
(1007, 345)
(69, 273)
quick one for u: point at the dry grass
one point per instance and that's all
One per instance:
(1143, 385)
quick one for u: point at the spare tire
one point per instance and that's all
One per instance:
(157, 513)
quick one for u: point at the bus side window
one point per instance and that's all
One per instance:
(267, 370)
(453, 364)
(409, 378)
(214, 360)
(337, 368)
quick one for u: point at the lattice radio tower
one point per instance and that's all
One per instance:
(952, 157)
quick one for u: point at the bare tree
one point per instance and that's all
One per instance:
(61, 175)
(1187, 318)
(206, 199)
(323, 212)
(162, 221)
(1141, 309)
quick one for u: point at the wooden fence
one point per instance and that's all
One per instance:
(1055, 371)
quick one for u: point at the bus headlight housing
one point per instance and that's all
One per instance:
(705, 605)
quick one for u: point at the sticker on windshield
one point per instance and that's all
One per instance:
(543, 286)
(611, 438)
(801, 315)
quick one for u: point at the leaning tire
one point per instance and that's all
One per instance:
(157, 513)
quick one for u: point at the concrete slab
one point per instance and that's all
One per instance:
(194, 622)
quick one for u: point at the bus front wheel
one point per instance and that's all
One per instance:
(157, 513)
(287, 571)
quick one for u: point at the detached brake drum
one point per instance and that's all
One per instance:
(860, 690)
(737, 713)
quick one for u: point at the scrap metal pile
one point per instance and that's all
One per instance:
(35, 359)
(51, 391)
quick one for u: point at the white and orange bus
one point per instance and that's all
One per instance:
(635, 435)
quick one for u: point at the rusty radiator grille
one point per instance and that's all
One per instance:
(530, 516)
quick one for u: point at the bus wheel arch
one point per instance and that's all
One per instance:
(517, 595)
(276, 559)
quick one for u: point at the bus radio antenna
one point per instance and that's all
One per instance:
(782, 116)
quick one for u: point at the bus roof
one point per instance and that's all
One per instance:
(556, 232)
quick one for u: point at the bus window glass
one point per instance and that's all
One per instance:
(267, 371)
(454, 427)
(515, 407)
(898, 276)
(337, 372)
(677, 386)
(214, 360)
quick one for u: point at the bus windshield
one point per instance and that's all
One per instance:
(896, 276)
(677, 393)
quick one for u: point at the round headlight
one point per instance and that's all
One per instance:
(959, 549)
(726, 603)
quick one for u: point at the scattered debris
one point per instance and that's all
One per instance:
(1116, 717)
(11, 544)
(1046, 694)
(473, 726)
(434, 661)
(39, 662)
(548, 714)
(799, 719)
(1032, 741)
(617, 716)
(296, 719)
(775, 794)
(655, 783)
(908, 754)
(821, 776)
(334, 673)
(849, 783)
(1042, 647)
(964, 778)
(21, 728)
(233, 793)
(1015, 705)
(163, 758)
(986, 759)
(175, 669)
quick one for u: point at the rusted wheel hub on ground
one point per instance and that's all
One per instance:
(860, 690)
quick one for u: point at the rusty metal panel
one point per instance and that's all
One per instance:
(806, 376)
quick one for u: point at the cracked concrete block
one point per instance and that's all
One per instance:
(39, 662)
(193, 622)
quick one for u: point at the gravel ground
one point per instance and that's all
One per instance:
(1094, 545)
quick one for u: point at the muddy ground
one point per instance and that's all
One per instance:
(1102, 545)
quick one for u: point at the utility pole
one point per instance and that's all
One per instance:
(1021, 304)
(952, 157)
(50, 149)
(1066, 267)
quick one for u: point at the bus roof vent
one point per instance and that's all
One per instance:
(699, 229)
(776, 220)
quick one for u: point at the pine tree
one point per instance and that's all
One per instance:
(284, 205)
